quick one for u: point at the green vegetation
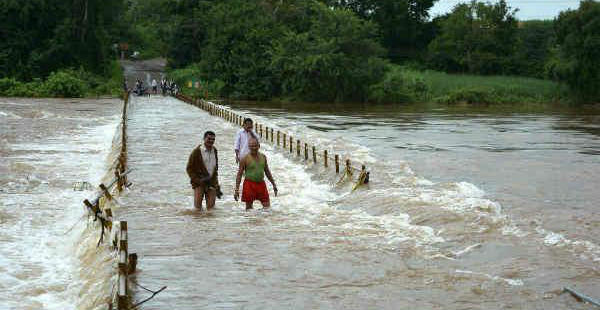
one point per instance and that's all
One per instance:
(306, 50)
(59, 48)
(449, 88)
(298, 50)
(191, 74)
(475, 38)
(402, 84)
(577, 58)
(403, 26)
(151, 25)
(66, 83)
(342, 52)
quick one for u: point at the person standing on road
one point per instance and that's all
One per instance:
(154, 86)
(202, 168)
(242, 138)
(254, 167)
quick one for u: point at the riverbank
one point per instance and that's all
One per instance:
(402, 85)
(476, 89)
(67, 83)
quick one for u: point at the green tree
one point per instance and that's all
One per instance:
(269, 48)
(403, 24)
(42, 36)
(189, 33)
(577, 59)
(335, 59)
(534, 41)
(475, 38)
(26, 29)
(239, 36)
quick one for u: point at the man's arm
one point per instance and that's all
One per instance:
(192, 173)
(238, 179)
(269, 176)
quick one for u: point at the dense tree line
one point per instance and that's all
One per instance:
(317, 50)
(42, 36)
(60, 48)
(577, 56)
(294, 49)
(341, 49)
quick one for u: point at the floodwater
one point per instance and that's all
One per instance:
(466, 209)
(48, 253)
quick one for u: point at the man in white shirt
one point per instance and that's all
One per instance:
(154, 86)
(202, 169)
(242, 139)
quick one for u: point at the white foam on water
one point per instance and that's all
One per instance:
(462, 198)
(321, 207)
(315, 203)
(512, 282)
(40, 260)
(585, 249)
(9, 115)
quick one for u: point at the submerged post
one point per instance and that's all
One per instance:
(325, 158)
(314, 154)
(123, 268)
(337, 163)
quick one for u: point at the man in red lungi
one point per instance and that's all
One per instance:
(255, 167)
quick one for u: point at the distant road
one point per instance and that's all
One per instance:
(146, 70)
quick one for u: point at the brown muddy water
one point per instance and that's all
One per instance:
(48, 254)
(467, 208)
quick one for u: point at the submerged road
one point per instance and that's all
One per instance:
(402, 242)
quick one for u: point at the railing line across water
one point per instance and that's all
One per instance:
(286, 138)
(99, 207)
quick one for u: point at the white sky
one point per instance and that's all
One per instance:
(528, 9)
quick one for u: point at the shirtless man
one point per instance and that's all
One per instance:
(254, 166)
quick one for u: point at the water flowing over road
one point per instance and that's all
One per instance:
(404, 241)
(48, 254)
(423, 234)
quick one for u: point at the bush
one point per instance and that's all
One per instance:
(398, 86)
(470, 96)
(112, 84)
(10, 87)
(7, 84)
(65, 84)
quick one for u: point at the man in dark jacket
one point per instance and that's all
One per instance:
(202, 168)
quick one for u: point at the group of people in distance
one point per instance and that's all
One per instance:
(203, 166)
(166, 86)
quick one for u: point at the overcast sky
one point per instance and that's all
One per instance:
(528, 9)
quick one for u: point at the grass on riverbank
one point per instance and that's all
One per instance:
(440, 87)
(406, 85)
(67, 83)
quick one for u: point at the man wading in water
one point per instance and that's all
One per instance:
(242, 138)
(202, 168)
(255, 167)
